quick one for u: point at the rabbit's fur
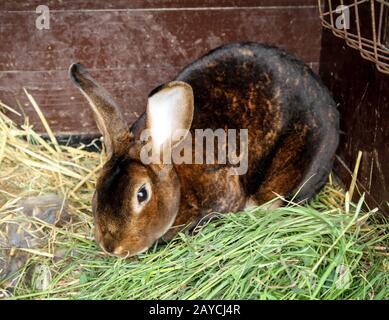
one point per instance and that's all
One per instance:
(292, 125)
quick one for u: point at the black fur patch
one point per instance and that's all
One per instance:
(114, 185)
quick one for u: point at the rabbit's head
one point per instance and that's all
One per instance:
(135, 202)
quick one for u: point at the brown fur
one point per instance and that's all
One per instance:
(292, 125)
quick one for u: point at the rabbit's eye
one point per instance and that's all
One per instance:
(142, 194)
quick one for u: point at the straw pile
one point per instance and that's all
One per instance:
(329, 249)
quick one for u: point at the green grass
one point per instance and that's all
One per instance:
(328, 249)
(289, 253)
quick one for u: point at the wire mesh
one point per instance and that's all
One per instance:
(363, 24)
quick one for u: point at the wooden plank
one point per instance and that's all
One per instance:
(115, 40)
(12, 5)
(130, 52)
(363, 97)
(65, 108)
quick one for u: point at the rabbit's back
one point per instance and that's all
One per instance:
(281, 102)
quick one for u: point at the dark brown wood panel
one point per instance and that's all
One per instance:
(64, 106)
(117, 40)
(12, 5)
(132, 51)
(363, 97)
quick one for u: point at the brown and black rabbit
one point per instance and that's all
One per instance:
(292, 125)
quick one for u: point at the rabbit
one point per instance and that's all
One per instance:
(292, 124)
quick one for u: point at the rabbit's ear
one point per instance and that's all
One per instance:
(170, 112)
(107, 114)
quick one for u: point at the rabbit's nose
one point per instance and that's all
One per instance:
(107, 244)
(109, 247)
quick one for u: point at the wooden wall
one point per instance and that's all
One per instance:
(131, 46)
(362, 94)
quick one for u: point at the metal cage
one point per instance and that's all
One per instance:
(368, 33)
